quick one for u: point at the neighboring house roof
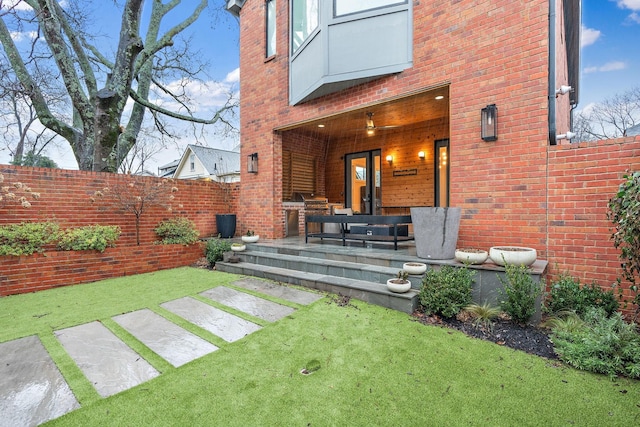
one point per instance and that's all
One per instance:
(199, 162)
(633, 130)
(167, 171)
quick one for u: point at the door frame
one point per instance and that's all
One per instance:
(370, 180)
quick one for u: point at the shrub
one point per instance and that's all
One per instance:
(483, 315)
(607, 345)
(567, 295)
(214, 250)
(27, 238)
(90, 237)
(519, 293)
(177, 231)
(446, 291)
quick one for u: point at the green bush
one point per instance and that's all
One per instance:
(27, 238)
(214, 250)
(567, 295)
(518, 298)
(177, 231)
(446, 291)
(91, 237)
(607, 345)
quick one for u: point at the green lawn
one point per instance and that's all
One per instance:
(378, 367)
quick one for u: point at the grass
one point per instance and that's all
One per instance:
(376, 367)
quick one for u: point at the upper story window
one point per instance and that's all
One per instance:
(271, 27)
(346, 7)
(304, 21)
(192, 162)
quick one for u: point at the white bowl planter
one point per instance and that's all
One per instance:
(471, 256)
(414, 267)
(250, 239)
(516, 255)
(236, 247)
(398, 286)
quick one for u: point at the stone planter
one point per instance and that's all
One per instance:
(471, 256)
(237, 247)
(250, 239)
(414, 268)
(517, 255)
(436, 231)
(398, 286)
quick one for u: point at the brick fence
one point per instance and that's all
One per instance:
(65, 198)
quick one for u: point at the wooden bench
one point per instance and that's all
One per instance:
(393, 221)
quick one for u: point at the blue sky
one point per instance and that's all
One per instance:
(610, 49)
(610, 57)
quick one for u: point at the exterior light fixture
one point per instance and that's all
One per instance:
(252, 163)
(489, 123)
(371, 128)
(421, 154)
(390, 158)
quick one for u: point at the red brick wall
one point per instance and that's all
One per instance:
(582, 179)
(65, 199)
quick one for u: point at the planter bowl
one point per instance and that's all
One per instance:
(471, 256)
(414, 267)
(250, 239)
(398, 287)
(238, 248)
(516, 255)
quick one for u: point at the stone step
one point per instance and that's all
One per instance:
(374, 293)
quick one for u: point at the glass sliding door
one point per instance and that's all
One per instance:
(363, 192)
(442, 172)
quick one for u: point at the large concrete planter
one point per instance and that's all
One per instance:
(436, 231)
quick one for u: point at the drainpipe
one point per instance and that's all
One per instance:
(552, 72)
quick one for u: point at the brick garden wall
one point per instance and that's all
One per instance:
(65, 198)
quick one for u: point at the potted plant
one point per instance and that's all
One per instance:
(471, 256)
(516, 255)
(238, 247)
(400, 283)
(436, 231)
(414, 267)
(250, 237)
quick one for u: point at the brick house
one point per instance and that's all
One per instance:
(377, 106)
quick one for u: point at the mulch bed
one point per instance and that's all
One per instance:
(503, 331)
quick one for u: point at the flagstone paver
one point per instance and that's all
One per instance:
(173, 343)
(32, 390)
(258, 307)
(225, 325)
(105, 360)
(279, 291)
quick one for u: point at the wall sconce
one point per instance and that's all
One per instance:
(252, 163)
(489, 123)
(421, 155)
(390, 158)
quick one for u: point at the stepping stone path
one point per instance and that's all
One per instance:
(32, 390)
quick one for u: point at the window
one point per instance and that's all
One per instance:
(304, 21)
(271, 27)
(192, 163)
(345, 7)
(298, 174)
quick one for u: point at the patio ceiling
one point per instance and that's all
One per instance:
(397, 114)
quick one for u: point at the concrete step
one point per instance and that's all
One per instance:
(371, 292)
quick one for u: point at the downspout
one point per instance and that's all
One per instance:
(552, 72)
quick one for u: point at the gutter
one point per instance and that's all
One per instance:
(552, 73)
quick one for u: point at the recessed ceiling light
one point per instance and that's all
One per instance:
(439, 97)
(320, 126)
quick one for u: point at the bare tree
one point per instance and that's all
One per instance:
(582, 128)
(99, 85)
(612, 117)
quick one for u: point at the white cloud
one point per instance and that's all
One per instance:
(629, 4)
(14, 4)
(233, 77)
(635, 17)
(609, 66)
(18, 36)
(588, 36)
